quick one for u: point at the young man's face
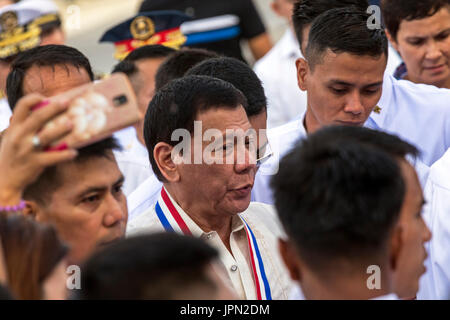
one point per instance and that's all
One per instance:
(88, 207)
(414, 234)
(342, 89)
(424, 45)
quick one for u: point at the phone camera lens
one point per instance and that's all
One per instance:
(120, 100)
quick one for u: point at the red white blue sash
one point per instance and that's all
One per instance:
(172, 221)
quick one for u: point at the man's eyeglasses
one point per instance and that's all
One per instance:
(263, 154)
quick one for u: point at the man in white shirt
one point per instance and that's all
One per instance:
(350, 204)
(207, 182)
(435, 284)
(243, 78)
(404, 109)
(140, 66)
(277, 68)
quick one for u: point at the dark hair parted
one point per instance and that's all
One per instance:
(239, 75)
(42, 189)
(344, 30)
(305, 11)
(44, 56)
(339, 193)
(162, 266)
(395, 11)
(177, 105)
(179, 63)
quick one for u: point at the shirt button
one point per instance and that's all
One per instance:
(208, 236)
(234, 268)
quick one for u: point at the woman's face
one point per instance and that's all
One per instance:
(424, 45)
(54, 286)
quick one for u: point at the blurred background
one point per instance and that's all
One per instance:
(86, 20)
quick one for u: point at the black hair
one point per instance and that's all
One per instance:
(177, 105)
(179, 63)
(344, 30)
(339, 192)
(239, 75)
(395, 11)
(49, 180)
(162, 266)
(43, 56)
(305, 11)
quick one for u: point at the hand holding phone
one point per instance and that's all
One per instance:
(96, 111)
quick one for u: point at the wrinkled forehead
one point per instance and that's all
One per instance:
(51, 80)
(224, 118)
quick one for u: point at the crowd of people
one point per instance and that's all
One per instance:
(320, 173)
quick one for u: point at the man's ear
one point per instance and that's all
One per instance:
(33, 210)
(391, 40)
(290, 259)
(163, 157)
(396, 244)
(302, 73)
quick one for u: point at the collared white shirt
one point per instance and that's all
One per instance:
(417, 113)
(237, 266)
(278, 73)
(5, 114)
(435, 283)
(133, 160)
(282, 140)
(143, 197)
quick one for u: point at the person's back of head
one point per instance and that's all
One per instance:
(344, 30)
(32, 251)
(44, 56)
(179, 63)
(305, 11)
(239, 75)
(339, 194)
(177, 105)
(162, 266)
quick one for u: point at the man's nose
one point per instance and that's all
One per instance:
(354, 104)
(115, 212)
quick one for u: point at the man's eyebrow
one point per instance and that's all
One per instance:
(376, 84)
(94, 189)
(340, 82)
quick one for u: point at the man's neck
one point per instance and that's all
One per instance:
(346, 287)
(310, 123)
(205, 218)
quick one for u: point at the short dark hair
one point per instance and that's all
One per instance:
(179, 63)
(305, 11)
(44, 56)
(239, 75)
(177, 105)
(156, 51)
(395, 11)
(339, 192)
(344, 30)
(42, 189)
(162, 266)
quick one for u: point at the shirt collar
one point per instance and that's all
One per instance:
(236, 223)
(379, 114)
